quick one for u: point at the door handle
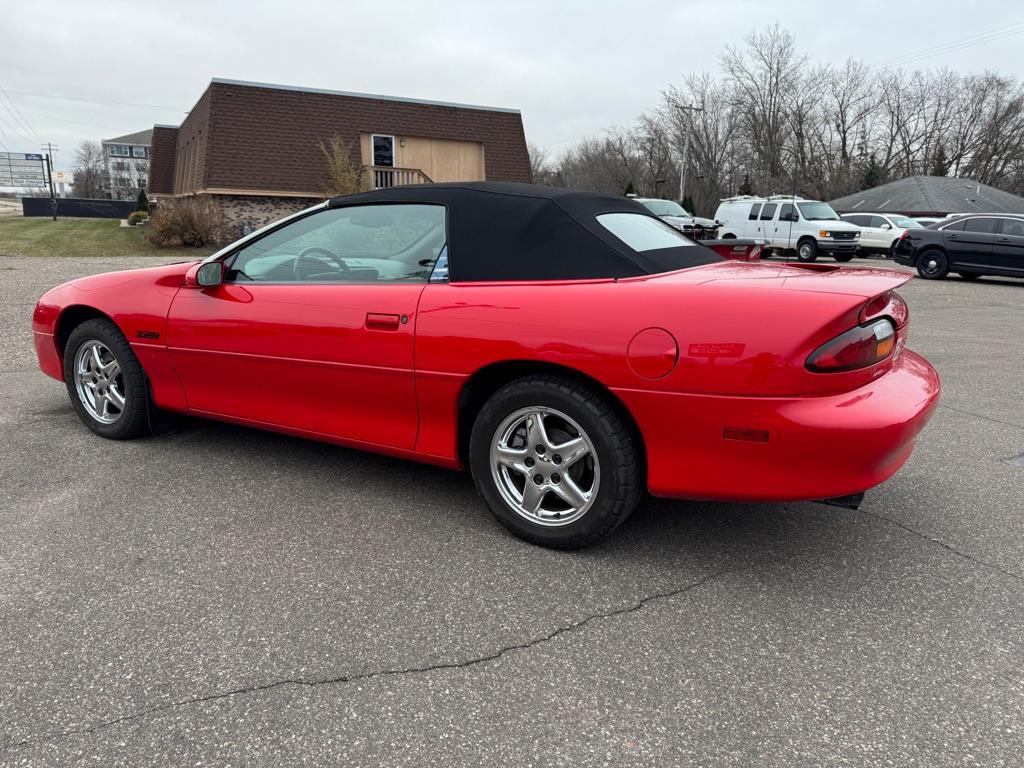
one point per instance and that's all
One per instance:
(378, 321)
(1004, 239)
(952, 237)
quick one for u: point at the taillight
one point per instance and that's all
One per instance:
(905, 235)
(857, 348)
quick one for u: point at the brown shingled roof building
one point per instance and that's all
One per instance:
(256, 148)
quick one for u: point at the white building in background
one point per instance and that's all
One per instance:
(126, 162)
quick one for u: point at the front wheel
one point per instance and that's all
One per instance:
(105, 381)
(807, 250)
(933, 264)
(556, 462)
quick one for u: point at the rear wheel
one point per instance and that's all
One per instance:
(807, 250)
(933, 264)
(105, 381)
(556, 462)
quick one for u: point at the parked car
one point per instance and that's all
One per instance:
(673, 213)
(787, 223)
(971, 245)
(571, 349)
(927, 221)
(880, 231)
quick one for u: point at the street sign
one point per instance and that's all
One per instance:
(22, 170)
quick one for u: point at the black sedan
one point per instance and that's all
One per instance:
(970, 245)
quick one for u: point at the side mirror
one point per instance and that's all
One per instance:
(886, 226)
(205, 275)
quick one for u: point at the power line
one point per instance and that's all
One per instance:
(98, 101)
(18, 113)
(952, 46)
(75, 122)
(16, 132)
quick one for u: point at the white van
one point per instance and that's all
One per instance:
(789, 223)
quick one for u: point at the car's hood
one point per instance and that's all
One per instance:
(165, 274)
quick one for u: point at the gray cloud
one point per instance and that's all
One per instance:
(573, 68)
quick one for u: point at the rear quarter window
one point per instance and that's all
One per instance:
(642, 233)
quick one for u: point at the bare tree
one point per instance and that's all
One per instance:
(88, 170)
(539, 160)
(774, 123)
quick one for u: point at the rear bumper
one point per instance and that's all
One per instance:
(817, 447)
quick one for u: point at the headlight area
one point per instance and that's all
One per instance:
(857, 348)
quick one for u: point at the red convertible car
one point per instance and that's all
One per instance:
(572, 350)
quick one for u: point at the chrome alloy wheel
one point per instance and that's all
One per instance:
(98, 382)
(545, 466)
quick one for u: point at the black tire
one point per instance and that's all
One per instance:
(728, 236)
(932, 264)
(615, 447)
(807, 250)
(969, 275)
(892, 249)
(133, 420)
(843, 257)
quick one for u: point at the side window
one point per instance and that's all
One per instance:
(768, 211)
(956, 226)
(879, 221)
(755, 209)
(1013, 227)
(356, 244)
(980, 225)
(788, 213)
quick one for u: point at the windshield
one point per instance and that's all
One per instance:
(817, 212)
(905, 223)
(665, 208)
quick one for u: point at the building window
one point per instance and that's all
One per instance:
(383, 150)
(118, 150)
(138, 152)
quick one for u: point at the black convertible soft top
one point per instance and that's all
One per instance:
(505, 231)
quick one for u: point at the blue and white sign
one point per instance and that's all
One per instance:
(22, 170)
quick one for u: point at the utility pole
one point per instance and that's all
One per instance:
(49, 173)
(686, 151)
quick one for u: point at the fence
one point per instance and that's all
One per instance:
(78, 207)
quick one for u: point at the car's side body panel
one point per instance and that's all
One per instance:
(335, 359)
(138, 301)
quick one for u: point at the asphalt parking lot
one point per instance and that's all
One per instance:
(223, 596)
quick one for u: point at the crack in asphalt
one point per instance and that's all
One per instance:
(970, 558)
(344, 679)
(981, 416)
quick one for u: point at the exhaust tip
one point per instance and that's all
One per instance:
(853, 501)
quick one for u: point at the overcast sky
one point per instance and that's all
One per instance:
(573, 68)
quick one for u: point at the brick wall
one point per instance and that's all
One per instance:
(263, 138)
(249, 212)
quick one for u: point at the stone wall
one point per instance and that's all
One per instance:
(250, 212)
